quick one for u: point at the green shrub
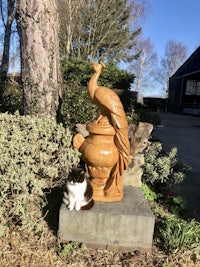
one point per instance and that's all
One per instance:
(162, 168)
(176, 205)
(171, 203)
(148, 116)
(141, 115)
(149, 194)
(155, 104)
(77, 107)
(12, 97)
(79, 72)
(35, 154)
(171, 232)
(178, 235)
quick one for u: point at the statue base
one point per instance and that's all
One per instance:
(119, 226)
(114, 198)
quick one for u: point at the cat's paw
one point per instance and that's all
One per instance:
(65, 195)
(66, 201)
(70, 207)
(77, 207)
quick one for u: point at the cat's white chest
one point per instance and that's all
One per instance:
(77, 188)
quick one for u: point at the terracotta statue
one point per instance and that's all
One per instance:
(106, 150)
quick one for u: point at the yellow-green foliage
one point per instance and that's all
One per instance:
(35, 154)
(163, 167)
(179, 235)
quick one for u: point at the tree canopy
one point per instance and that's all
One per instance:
(97, 29)
(144, 67)
(175, 55)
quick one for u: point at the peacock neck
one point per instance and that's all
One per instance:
(93, 84)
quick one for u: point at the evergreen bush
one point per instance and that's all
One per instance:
(79, 72)
(13, 97)
(35, 154)
(161, 167)
(77, 106)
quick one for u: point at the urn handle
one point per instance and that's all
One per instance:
(78, 140)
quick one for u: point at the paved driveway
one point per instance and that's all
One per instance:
(183, 132)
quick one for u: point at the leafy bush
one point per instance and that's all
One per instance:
(77, 106)
(35, 154)
(79, 72)
(171, 232)
(136, 115)
(155, 104)
(177, 234)
(148, 116)
(12, 97)
(173, 204)
(148, 193)
(162, 168)
(176, 205)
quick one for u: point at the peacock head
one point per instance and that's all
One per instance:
(98, 66)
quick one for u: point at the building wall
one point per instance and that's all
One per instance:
(175, 96)
(190, 70)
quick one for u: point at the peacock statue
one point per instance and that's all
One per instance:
(111, 109)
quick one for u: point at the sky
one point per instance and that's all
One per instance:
(177, 20)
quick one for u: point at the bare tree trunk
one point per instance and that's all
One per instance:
(6, 46)
(38, 27)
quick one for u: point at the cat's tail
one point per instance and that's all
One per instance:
(88, 206)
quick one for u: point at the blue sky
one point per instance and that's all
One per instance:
(177, 20)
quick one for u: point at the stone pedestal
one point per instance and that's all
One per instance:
(119, 226)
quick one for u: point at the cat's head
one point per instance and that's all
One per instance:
(77, 175)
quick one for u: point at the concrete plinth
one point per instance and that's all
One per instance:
(122, 226)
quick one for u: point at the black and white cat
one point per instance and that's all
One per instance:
(78, 191)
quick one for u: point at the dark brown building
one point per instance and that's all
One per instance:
(184, 87)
